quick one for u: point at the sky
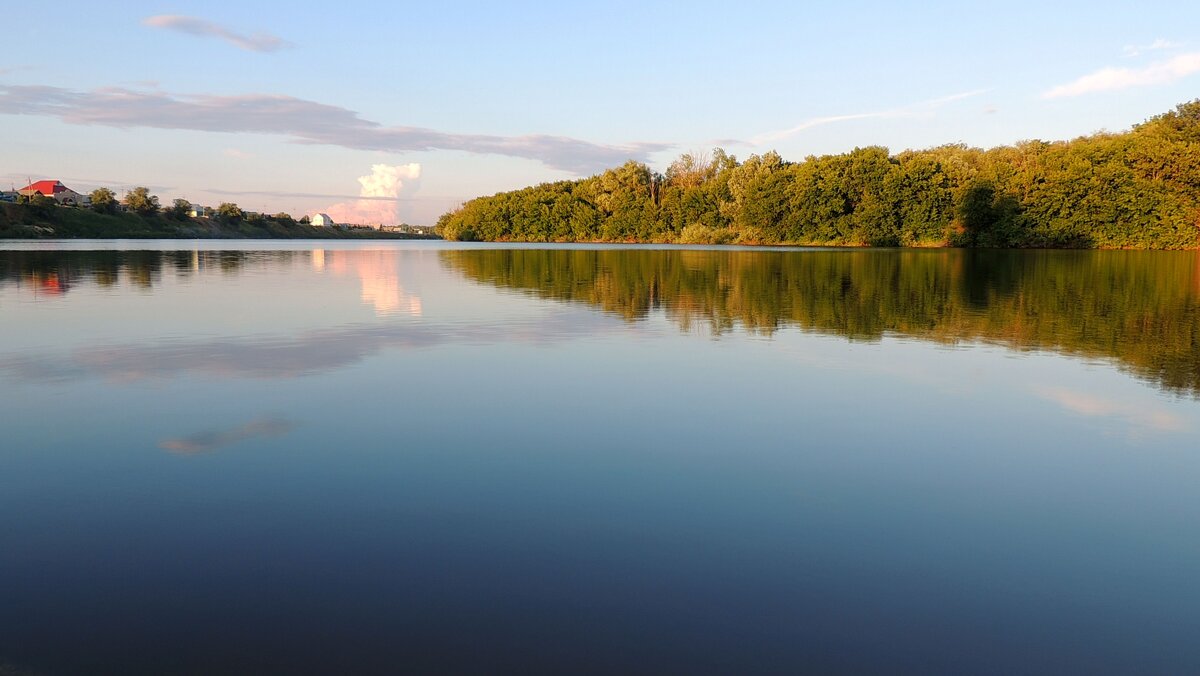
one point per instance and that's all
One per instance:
(393, 112)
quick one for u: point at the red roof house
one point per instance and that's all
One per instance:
(54, 189)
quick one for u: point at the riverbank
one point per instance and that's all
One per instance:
(24, 221)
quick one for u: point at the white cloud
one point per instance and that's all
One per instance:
(237, 154)
(381, 194)
(1158, 45)
(1113, 79)
(259, 42)
(912, 110)
(302, 121)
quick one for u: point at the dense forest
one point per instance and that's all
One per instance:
(1136, 189)
(1138, 309)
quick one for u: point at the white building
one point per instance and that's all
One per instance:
(323, 220)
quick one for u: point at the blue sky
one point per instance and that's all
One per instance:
(279, 106)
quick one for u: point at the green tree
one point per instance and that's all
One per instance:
(39, 205)
(977, 212)
(228, 212)
(141, 202)
(179, 209)
(104, 201)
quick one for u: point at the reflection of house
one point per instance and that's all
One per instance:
(323, 220)
(54, 190)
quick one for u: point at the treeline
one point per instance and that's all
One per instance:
(1139, 309)
(1137, 189)
(142, 218)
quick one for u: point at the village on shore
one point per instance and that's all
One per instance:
(139, 200)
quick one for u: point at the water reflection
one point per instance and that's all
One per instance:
(143, 269)
(1136, 416)
(1139, 309)
(378, 273)
(216, 439)
(54, 273)
(284, 356)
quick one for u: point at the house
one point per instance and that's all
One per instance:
(323, 220)
(56, 191)
(8, 196)
(198, 211)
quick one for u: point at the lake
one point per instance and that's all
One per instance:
(315, 457)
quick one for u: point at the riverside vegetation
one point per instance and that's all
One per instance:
(1137, 189)
(141, 217)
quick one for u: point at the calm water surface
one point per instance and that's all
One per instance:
(290, 458)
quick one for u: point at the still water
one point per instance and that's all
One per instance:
(309, 458)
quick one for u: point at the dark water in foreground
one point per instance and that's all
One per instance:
(427, 457)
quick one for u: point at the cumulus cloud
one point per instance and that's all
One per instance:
(259, 42)
(302, 121)
(1112, 79)
(380, 195)
(913, 110)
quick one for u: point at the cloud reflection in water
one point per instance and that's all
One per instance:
(212, 440)
(308, 353)
(1139, 417)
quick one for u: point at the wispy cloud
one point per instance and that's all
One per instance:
(920, 109)
(237, 154)
(302, 121)
(207, 442)
(1113, 79)
(1158, 45)
(80, 183)
(328, 195)
(258, 42)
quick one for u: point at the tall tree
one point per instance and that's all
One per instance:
(140, 201)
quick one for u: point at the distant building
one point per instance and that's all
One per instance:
(198, 211)
(56, 191)
(323, 220)
(8, 196)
